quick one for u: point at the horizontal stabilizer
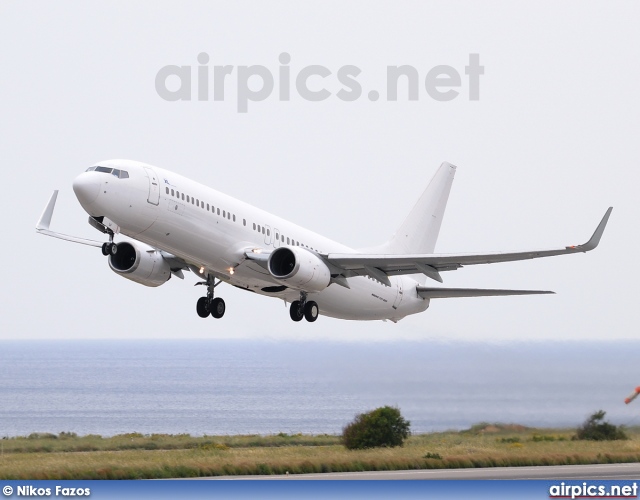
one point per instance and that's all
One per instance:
(445, 293)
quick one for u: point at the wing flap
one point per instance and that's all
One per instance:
(446, 293)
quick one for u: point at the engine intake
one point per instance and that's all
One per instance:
(298, 268)
(140, 263)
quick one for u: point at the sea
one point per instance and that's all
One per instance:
(228, 387)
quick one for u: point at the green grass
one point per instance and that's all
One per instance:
(69, 442)
(134, 456)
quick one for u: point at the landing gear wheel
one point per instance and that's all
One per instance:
(218, 308)
(295, 311)
(106, 250)
(311, 311)
(202, 307)
(113, 248)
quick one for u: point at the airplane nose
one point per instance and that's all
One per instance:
(86, 186)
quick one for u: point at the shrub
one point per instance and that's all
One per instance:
(382, 427)
(42, 435)
(596, 429)
(510, 440)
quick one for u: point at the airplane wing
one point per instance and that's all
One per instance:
(381, 266)
(45, 222)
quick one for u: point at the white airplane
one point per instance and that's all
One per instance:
(175, 224)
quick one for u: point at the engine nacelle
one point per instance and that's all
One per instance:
(140, 263)
(298, 268)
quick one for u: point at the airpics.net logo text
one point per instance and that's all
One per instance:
(312, 83)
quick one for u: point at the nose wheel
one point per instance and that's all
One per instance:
(109, 248)
(209, 305)
(302, 308)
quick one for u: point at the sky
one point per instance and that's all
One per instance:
(550, 142)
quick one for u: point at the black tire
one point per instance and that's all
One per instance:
(202, 307)
(113, 249)
(311, 311)
(218, 307)
(295, 312)
(106, 250)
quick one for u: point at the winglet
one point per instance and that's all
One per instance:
(45, 218)
(595, 239)
(45, 221)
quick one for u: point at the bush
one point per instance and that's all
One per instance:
(596, 429)
(509, 440)
(382, 427)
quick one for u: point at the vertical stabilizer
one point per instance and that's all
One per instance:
(419, 232)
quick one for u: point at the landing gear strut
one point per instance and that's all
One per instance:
(210, 305)
(304, 309)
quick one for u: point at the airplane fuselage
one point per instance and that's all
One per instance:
(212, 231)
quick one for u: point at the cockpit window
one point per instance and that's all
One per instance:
(122, 174)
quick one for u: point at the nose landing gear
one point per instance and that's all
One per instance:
(109, 247)
(210, 305)
(304, 309)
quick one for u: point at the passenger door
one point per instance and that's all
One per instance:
(154, 187)
(399, 295)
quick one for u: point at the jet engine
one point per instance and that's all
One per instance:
(299, 269)
(140, 263)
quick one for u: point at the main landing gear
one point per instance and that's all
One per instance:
(303, 309)
(210, 305)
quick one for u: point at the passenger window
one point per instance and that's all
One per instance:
(258, 227)
(254, 226)
(234, 217)
(197, 203)
(244, 222)
(124, 174)
(218, 211)
(187, 198)
(167, 190)
(207, 207)
(183, 197)
(263, 230)
(224, 213)
(268, 232)
(193, 200)
(229, 215)
(172, 193)
(287, 240)
(277, 237)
